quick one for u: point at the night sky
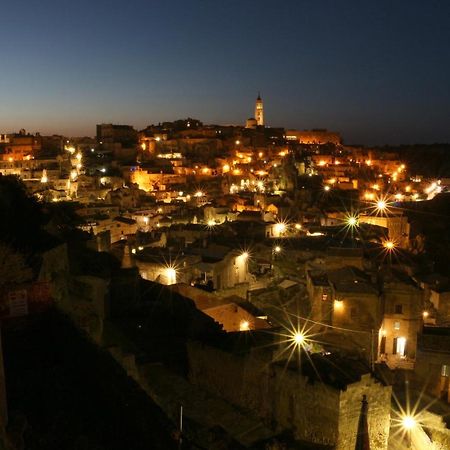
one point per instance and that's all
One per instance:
(378, 71)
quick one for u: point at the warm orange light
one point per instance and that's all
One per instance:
(338, 305)
(280, 227)
(244, 325)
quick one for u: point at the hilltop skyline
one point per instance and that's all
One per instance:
(375, 73)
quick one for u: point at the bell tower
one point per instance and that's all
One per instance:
(259, 111)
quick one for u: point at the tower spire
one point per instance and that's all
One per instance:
(259, 111)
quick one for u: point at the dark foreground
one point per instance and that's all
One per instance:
(71, 396)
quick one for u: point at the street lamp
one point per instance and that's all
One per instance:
(352, 221)
(408, 424)
(389, 245)
(298, 338)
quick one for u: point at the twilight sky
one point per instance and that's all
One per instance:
(377, 71)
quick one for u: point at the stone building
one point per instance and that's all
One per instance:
(259, 111)
(317, 136)
(220, 267)
(432, 364)
(344, 297)
(396, 223)
(125, 135)
(20, 146)
(402, 320)
(319, 401)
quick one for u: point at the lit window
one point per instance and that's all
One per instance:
(401, 346)
(396, 325)
(445, 370)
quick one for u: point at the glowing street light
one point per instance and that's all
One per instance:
(211, 223)
(326, 188)
(352, 221)
(389, 245)
(171, 275)
(408, 422)
(381, 205)
(298, 338)
(280, 227)
(244, 255)
(244, 325)
(277, 249)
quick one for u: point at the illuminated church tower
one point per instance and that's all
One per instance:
(259, 111)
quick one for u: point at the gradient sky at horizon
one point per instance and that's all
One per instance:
(377, 71)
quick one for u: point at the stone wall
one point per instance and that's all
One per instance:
(314, 412)
(432, 433)
(378, 415)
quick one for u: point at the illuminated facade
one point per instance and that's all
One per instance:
(317, 136)
(259, 111)
(20, 146)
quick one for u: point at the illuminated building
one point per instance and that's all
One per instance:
(402, 320)
(18, 146)
(315, 136)
(259, 111)
(396, 223)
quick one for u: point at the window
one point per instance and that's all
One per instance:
(398, 309)
(324, 297)
(401, 346)
(396, 325)
(445, 370)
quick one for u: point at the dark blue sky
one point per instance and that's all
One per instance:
(378, 71)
